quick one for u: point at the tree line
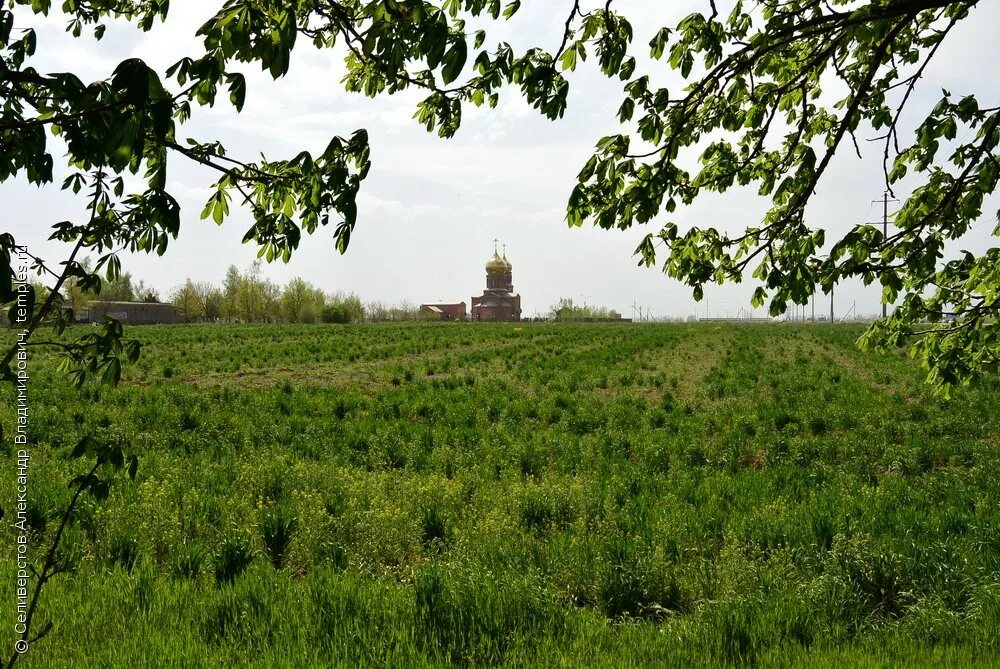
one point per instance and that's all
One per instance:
(243, 297)
(248, 297)
(566, 310)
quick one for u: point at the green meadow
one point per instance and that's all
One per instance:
(544, 495)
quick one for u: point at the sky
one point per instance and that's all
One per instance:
(431, 208)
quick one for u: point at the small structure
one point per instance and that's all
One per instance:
(444, 312)
(129, 313)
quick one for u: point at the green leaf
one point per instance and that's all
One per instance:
(112, 372)
(84, 446)
(100, 490)
(568, 60)
(511, 8)
(237, 90)
(454, 61)
(626, 110)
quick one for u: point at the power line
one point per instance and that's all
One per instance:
(885, 228)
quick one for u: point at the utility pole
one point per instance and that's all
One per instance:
(885, 231)
(831, 304)
(885, 227)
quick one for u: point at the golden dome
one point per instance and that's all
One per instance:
(497, 265)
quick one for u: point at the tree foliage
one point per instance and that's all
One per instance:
(775, 89)
(302, 302)
(780, 88)
(189, 302)
(566, 310)
(343, 308)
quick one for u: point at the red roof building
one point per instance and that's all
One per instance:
(444, 312)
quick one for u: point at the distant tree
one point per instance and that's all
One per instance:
(301, 302)
(343, 308)
(75, 297)
(213, 299)
(146, 293)
(189, 301)
(42, 291)
(256, 298)
(270, 294)
(122, 288)
(566, 310)
(405, 310)
(376, 311)
(230, 293)
(336, 313)
(75, 291)
(314, 310)
(118, 289)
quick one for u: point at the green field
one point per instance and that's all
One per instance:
(517, 495)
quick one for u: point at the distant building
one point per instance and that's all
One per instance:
(444, 312)
(498, 302)
(129, 313)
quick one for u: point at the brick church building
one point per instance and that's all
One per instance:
(498, 302)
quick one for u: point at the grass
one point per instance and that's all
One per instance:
(553, 495)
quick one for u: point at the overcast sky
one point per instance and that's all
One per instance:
(430, 208)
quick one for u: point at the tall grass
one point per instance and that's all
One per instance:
(559, 495)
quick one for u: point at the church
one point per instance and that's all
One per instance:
(498, 302)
